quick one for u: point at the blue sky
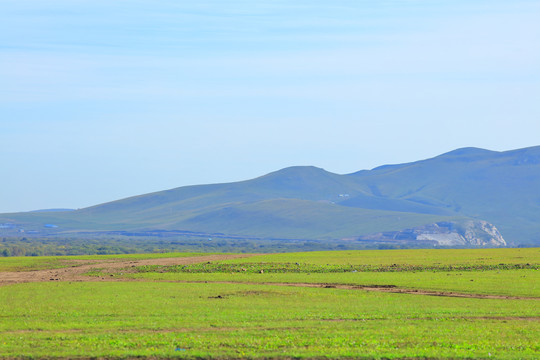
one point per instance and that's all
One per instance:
(101, 100)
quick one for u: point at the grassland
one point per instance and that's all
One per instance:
(230, 309)
(57, 262)
(423, 257)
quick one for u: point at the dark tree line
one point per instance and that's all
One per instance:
(23, 246)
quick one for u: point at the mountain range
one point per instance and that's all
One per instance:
(453, 194)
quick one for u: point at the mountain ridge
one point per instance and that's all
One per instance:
(467, 184)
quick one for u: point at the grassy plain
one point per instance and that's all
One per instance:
(423, 257)
(31, 263)
(218, 310)
(475, 271)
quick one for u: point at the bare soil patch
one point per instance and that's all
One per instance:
(381, 288)
(75, 273)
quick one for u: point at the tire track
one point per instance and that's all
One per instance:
(75, 273)
(375, 288)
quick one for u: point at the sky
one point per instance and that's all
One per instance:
(101, 100)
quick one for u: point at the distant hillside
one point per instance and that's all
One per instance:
(500, 187)
(458, 187)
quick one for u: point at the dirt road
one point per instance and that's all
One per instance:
(75, 273)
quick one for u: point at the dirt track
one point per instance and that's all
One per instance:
(391, 289)
(75, 273)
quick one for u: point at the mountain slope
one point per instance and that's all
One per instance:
(297, 202)
(311, 203)
(500, 187)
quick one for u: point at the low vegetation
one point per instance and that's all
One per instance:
(34, 263)
(281, 268)
(293, 305)
(130, 244)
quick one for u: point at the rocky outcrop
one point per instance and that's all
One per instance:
(469, 233)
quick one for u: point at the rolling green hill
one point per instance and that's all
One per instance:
(500, 187)
(311, 203)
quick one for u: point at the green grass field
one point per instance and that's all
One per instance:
(424, 257)
(30, 263)
(229, 309)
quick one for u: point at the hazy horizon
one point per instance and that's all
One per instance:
(102, 101)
